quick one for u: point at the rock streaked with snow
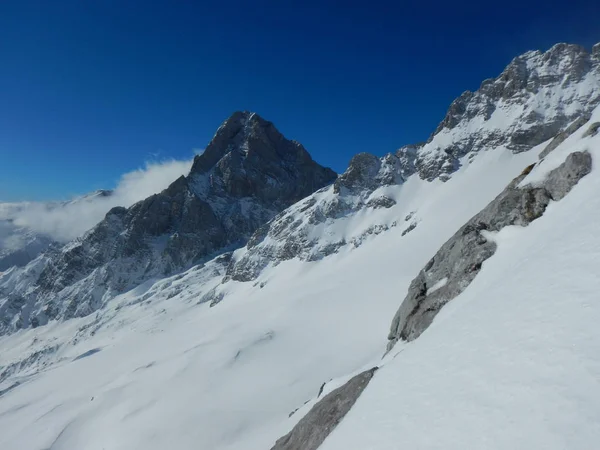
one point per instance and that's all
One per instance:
(460, 259)
(533, 99)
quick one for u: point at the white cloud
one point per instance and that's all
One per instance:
(68, 220)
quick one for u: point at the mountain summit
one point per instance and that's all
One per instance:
(248, 156)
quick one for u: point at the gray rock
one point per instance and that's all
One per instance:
(560, 137)
(321, 420)
(288, 231)
(408, 229)
(407, 155)
(592, 130)
(249, 157)
(561, 180)
(367, 172)
(381, 202)
(360, 174)
(460, 259)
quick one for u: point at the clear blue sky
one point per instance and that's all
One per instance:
(91, 89)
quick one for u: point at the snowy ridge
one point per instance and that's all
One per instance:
(536, 96)
(376, 424)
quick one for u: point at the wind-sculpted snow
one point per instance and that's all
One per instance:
(167, 374)
(445, 277)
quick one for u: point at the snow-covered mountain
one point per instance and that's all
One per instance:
(538, 96)
(532, 100)
(247, 174)
(487, 232)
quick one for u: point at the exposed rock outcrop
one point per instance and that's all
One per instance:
(460, 259)
(560, 137)
(323, 417)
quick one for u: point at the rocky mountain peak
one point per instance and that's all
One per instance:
(361, 173)
(535, 97)
(247, 135)
(249, 157)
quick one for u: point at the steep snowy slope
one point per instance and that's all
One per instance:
(513, 361)
(165, 371)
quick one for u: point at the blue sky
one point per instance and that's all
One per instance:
(93, 89)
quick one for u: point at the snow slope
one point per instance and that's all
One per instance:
(156, 370)
(514, 361)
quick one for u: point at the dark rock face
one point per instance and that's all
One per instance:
(322, 419)
(248, 157)
(367, 172)
(460, 259)
(194, 231)
(248, 173)
(381, 202)
(361, 173)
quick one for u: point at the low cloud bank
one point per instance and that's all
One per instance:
(68, 220)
